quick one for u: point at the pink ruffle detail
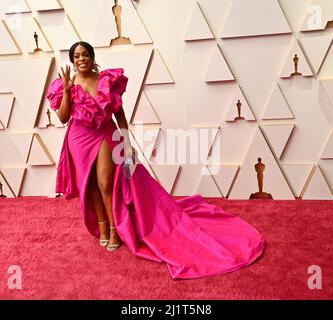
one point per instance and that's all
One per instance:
(54, 94)
(93, 110)
(113, 84)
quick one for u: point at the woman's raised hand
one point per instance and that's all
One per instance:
(66, 77)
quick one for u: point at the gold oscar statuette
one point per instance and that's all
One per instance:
(36, 41)
(116, 10)
(296, 73)
(239, 109)
(260, 167)
(49, 117)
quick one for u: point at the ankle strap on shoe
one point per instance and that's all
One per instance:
(112, 227)
(102, 222)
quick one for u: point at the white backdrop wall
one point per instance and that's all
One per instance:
(189, 62)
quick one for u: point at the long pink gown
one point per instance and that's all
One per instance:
(192, 237)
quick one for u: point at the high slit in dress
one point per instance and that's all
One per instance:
(192, 237)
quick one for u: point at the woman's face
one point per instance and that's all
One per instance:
(83, 62)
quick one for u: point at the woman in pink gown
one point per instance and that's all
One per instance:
(192, 237)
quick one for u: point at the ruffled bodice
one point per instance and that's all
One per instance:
(92, 111)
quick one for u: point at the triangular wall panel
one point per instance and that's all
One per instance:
(145, 113)
(218, 69)
(37, 181)
(207, 187)
(316, 49)
(302, 65)
(8, 44)
(318, 188)
(277, 106)
(245, 19)
(166, 175)
(158, 71)
(278, 136)
(22, 144)
(206, 137)
(52, 136)
(14, 176)
(188, 179)
(39, 155)
(224, 176)
(198, 28)
(298, 176)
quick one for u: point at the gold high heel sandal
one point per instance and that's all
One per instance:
(112, 246)
(103, 242)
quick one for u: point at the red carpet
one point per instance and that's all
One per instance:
(60, 260)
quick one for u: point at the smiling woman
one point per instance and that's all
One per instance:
(86, 167)
(193, 237)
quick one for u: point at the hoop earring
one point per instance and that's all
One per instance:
(75, 70)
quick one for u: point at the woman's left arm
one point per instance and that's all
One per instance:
(123, 126)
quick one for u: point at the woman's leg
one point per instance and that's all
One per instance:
(96, 195)
(105, 174)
